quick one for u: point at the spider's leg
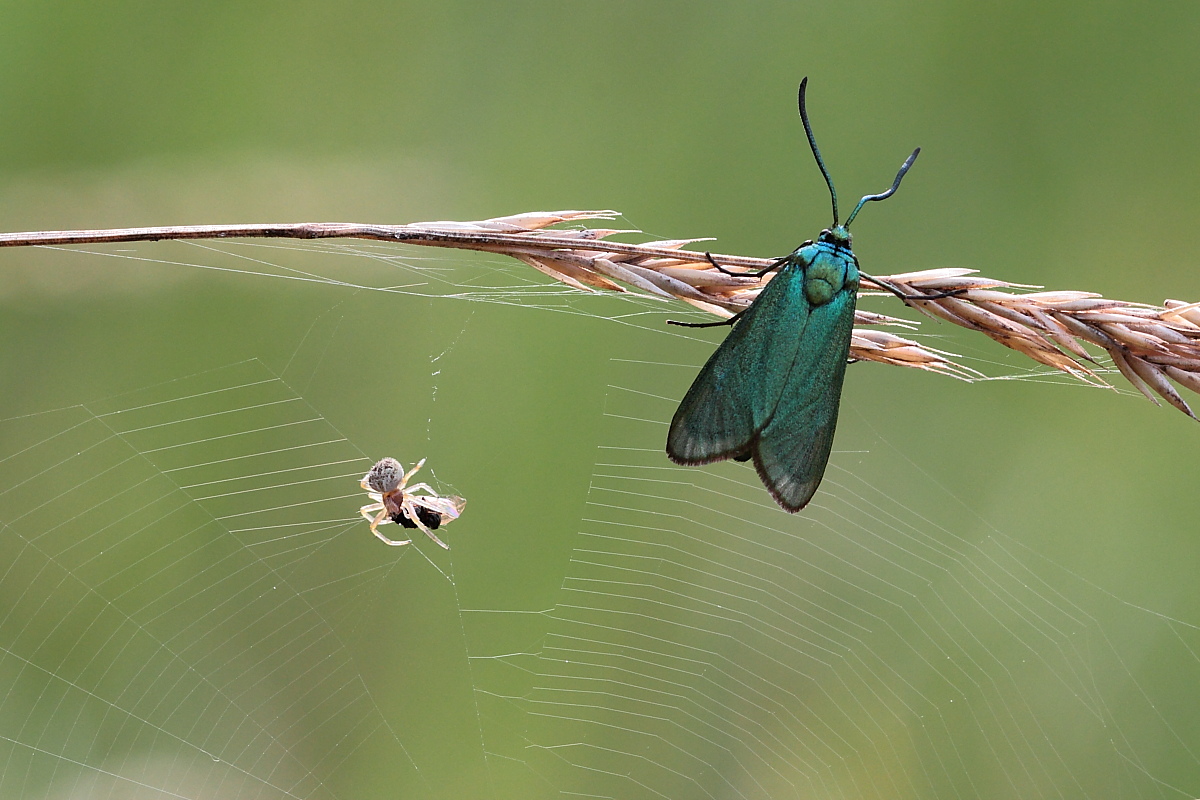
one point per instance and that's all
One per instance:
(421, 487)
(410, 473)
(411, 511)
(429, 533)
(374, 529)
(386, 540)
(368, 512)
(366, 486)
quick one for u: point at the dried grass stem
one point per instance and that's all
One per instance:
(1150, 345)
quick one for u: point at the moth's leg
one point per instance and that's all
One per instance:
(717, 324)
(773, 265)
(889, 288)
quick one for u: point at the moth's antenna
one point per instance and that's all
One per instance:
(812, 142)
(884, 195)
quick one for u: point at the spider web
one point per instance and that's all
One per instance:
(192, 608)
(216, 501)
(706, 645)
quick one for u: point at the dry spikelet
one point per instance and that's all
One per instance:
(1150, 345)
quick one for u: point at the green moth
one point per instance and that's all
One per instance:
(771, 391)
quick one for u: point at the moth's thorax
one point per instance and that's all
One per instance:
(829, 266)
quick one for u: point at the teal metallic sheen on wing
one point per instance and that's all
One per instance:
(792, 451)
(736, 393)
(771, 390)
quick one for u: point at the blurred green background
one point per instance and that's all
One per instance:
(1059, 148)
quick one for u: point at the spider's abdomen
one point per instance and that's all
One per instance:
(385, 475)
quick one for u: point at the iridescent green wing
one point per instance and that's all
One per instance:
(791, 451)
(736, 393)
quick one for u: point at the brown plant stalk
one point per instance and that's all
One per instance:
(1150, 345)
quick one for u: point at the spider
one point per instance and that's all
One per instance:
(387, 485)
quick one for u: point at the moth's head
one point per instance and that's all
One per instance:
(838, 235)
